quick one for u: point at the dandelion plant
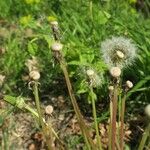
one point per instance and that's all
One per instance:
(118, 53)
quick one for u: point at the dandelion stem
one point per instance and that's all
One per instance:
(81, 122)
(110, 125)
(114, 113)
(95, 122)
(76, 107)
(44, 128)
(122, 122)
(144, 137)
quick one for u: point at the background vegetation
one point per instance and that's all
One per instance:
(84, 24)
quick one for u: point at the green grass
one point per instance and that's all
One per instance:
(83, 25)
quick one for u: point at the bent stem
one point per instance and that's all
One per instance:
(44, 128)
(144, 137)
(95, 121)
(83, 127)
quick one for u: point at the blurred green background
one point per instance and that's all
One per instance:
(84, 24)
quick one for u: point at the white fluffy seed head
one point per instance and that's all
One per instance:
(56, 46)
(129, 84)
(90, 72)
(147, 110)
(49, 109)
(115, 72)
(120, 54)
(118, 51)
(35, 75)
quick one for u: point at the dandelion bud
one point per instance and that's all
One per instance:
(115, 72)
(35, 75)
(147, 110)
(90, 72)
(120, 54)
(111, 88)
(49, 110)
(129, 84)
(56, 47)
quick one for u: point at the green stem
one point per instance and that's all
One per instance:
(91, 10)
(44, 128)
(95, 122)
(144, 137)
(5, 138)
(76, 107)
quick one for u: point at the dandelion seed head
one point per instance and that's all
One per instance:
(120, 54)
(129, 84)
(49, 109)
(115, 72)
(94, 79)
(56, 46)
(90, 72)
(35, 75)
(118, 51)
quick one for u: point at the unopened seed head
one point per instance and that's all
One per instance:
(147, 110)
(49, 109)
(35, 75)
(90, 72)
(129, 84)
(56, 46)
(115, 72)
(120, 54)
(111, 88)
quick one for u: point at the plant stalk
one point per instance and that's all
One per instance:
(96, 123)
(122, 122)
(76, 107)
(110, 121)
(144, 137)
(44, 128)
(114, 113)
